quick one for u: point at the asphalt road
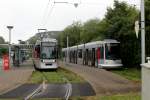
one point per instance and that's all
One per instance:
(52, 91)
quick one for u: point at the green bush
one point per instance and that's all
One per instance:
(130, 50)
(3, 51)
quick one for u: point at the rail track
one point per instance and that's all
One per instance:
(43, 86)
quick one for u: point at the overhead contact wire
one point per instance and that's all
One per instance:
(49, 14)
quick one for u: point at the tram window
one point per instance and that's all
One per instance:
(89, 54)
(112, 51)
(48, 52)
(80, 53)
(102, 52)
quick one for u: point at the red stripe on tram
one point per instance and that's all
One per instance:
(98, 54)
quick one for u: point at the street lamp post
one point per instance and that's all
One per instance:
(143, 31)
(9, 28)
(145, 67)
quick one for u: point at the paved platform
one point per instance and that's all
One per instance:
(14, 77)
(103, 82)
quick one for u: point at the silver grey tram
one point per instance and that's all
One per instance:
(45, 54)
(101, 54)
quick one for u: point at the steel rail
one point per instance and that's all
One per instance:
(69, 89)
(38, 90)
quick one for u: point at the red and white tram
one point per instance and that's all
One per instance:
(102, 54)
(45, 54)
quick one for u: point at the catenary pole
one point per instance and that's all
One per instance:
(143, 31)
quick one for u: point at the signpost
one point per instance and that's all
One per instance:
(137, 28)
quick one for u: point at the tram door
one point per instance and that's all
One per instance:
(93, 56)
(86, 57)
(76, 61)
(74, 56)
(70, 55)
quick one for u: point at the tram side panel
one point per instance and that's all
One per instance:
(87, 56)
(101, 55)
(64, 55)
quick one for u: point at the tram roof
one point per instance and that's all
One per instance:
(63, 49)
(81, 46)
(92, 44)
(73, 47)
(110, 41)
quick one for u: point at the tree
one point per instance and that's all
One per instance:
(118, 24)
(102, 30)
(90, 30)
(73, 32)
(147, 24)
(33, 40)
(121, 19)
(2, 40)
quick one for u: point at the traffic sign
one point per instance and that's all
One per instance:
(137, 28)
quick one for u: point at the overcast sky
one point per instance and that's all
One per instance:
(28, 15)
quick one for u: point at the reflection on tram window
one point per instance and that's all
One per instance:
(112, 51)
(48, 53)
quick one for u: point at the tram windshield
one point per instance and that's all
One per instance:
(112, 51)
(48, 52)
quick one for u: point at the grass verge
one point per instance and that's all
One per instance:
(130, 96)
(55, 76)
(133, 74)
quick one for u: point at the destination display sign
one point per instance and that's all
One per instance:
(48, 44)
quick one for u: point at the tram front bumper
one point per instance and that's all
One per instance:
(49, 66)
